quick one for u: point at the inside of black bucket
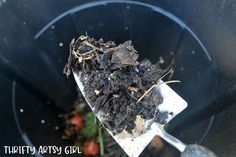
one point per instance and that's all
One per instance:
(155, 33)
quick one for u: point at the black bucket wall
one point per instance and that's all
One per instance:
(34, 46)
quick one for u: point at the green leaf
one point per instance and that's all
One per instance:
(90, 127)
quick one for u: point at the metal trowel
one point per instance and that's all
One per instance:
(133, 145)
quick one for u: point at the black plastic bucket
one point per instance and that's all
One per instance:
(34, 51)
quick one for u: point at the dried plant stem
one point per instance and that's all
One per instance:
(165, 74)
(101, 143)
(156, 85)
(75, 53)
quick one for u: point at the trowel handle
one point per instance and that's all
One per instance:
(192, 150)
(195, 150)
(171, 139)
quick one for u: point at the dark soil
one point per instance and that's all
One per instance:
(114, 80)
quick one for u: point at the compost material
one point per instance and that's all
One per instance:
(114, 81)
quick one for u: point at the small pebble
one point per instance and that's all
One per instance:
(61, 44)
(96, 91)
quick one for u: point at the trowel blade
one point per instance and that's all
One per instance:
(133, 146)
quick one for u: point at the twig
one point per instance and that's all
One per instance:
(89, 57)
(75, 53)
(155, 85)
(71, 48)
(88, 44)
(165, 74)
(86, 53)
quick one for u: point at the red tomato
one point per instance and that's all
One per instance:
(91, 148)
(77, 121)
